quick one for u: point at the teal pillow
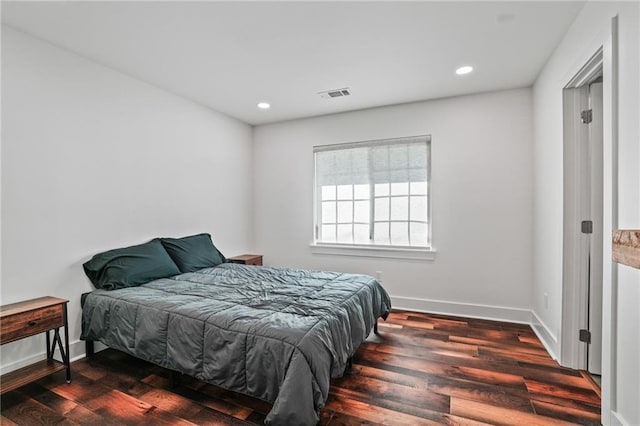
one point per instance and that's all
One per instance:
(193, 252)
(130, 266)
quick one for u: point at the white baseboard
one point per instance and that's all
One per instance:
(76, 350)
(496, 313)
(618, 420)
(15, 365)
(546, 336)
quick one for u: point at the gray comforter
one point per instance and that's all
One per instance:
(276, 334)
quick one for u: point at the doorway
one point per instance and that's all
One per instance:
(581, 346)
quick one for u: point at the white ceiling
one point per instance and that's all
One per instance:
(231, 55)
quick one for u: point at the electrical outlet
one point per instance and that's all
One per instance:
(379, 276)
(546, 301)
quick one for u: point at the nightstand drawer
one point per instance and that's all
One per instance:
(25, 324)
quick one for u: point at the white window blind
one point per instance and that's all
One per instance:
(374, 192)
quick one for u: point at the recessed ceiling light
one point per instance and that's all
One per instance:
(464, 70)
(264, 105)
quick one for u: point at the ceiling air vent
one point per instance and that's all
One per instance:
(335, 93)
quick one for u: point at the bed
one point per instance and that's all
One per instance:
(277, 334)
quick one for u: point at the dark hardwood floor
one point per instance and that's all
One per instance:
(422, 369)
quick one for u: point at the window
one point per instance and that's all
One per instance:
(373, 193)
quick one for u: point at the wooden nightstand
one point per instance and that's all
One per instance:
(28, 318)
(247, 259)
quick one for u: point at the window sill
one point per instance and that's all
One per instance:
(389, 252)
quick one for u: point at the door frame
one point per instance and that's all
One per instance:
(573, 352)
(607, 41)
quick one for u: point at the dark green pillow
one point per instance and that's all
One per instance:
(193, 252)
(130, 266)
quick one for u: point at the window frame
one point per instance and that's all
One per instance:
(371, 249)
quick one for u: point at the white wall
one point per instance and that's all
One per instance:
(93, 160)
(481, 185)
(590, 31)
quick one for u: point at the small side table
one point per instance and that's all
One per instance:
(28, 318)
(247, 259)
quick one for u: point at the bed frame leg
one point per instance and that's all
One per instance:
(90, 350)
(173, 379)
(349, 365)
